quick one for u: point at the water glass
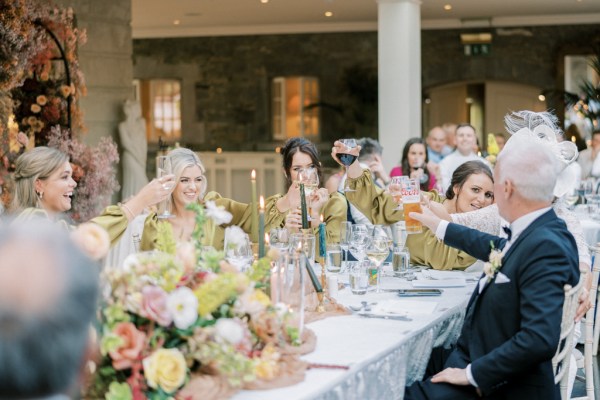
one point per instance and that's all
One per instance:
(359, 276)
(293, 284)
(400, 259)
(239, 254)
(279, 237)
(306, 242)
(334, 258)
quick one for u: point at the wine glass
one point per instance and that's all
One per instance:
(279, 237)
(571, 198)
(588, 189)
(378, 249)
(419, 164)
(346, 158)
(345, 234)
(359, 239)
(310, 178)
(163, 168)
(395, 189)
(239, 253)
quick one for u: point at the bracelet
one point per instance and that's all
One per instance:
(126, 208)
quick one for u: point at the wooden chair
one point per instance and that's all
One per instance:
(590, 333)
(562, 359)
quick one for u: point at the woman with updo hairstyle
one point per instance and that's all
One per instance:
(283, 210)
(44, 187)
(472, 188)
(191, 187)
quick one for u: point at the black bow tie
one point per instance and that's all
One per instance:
(508, 232)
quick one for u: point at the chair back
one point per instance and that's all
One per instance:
(562, 358)
(588, 350)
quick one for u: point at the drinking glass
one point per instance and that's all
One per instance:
(588, 189)
(571, 198)
(279, 237)
(359, 276)
(358, 241)
(346, 158)
(310, 178)
(400, 260)
(334, 257)
(306, 243)
(411, 198)
(345, 233)
(395, 189)
(239, 254)
(163, 168)
(378, 249)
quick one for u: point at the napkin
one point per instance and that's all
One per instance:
(404, 307)
(438, 275)
(439, 283)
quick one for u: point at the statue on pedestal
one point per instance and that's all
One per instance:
(132, 132)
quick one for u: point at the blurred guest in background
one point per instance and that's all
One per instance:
(450, 129)
(436, 140)
(589, 160)
(48, 292)
(414, 164)
(572, 134)
(500, 140)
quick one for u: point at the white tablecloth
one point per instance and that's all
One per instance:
(591, 230)
(383, 355)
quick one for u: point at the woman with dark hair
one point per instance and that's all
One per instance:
(472, 188)
(414, 163)
(283, 210)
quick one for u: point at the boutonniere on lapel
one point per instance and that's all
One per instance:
(494, 264)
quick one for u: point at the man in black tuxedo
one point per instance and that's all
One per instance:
(512, 324)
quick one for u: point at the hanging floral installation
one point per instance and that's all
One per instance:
(41, 83)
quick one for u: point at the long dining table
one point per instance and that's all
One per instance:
(362, 357)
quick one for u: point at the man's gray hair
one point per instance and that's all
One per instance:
(530, 165)
(369, 148)
(48, 299)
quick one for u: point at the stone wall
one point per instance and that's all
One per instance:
(226, 81)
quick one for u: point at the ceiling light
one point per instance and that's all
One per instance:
(328, 14)
(541, 97)
(176, 22)
(264, 1)
(447, 7)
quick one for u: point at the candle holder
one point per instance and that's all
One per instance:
(321, 305)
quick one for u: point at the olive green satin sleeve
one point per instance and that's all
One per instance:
(114, 220)
(426, 249)
(150, 233)
(372, 201)
(241, 216)
(334, 213)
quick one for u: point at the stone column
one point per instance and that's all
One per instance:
(399, 59)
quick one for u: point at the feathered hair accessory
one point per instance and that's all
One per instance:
(544, 126)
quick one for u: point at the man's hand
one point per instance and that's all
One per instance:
(584, 304)
(427, 218)
(454, 376)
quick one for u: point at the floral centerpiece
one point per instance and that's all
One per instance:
(184, 324)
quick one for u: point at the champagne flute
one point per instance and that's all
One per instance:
(163, 168)
(347, 159)
(378, 249)
(310, 178)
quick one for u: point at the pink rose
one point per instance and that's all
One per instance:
(154, 305)
(133, 344)
(186, 253)
(92, 239)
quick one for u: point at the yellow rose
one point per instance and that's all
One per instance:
(166, 369)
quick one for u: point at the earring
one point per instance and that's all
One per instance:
(40, 195)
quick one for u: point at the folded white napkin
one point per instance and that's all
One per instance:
(439, 283)
(404, 307)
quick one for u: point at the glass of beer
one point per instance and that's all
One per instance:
(411, 200)
(395, 189)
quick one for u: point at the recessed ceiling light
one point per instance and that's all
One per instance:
(264, 1)
(541, 97)
(176, 22)
(328, 14)
(447, 7)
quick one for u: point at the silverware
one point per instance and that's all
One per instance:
(394, 317)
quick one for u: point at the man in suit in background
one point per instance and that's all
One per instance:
(512, 324)
(48, 292)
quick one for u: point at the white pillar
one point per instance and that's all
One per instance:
(399, 59)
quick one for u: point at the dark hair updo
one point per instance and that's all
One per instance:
(291, 147)
(462, 173)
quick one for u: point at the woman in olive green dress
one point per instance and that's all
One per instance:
(44, 186)
(191, 187)
(471, 188)
(283, 210)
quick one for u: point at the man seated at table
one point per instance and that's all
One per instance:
(512, 323)
(48, 292)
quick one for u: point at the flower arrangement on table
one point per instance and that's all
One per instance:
(184, 324)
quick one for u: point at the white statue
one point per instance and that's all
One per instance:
(132, 132)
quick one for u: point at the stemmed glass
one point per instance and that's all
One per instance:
(378, 249)
(239, 254)
(346, 158)
(395, 189)
(585, 189)
(163, 168)
(359, 239)
(571, 198)
(345, 234)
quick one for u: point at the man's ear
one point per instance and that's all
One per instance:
(509, 189)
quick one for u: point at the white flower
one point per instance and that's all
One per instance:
(182, 304)
(234, 237)
(217, 213)
(493, 266)
(229, 330)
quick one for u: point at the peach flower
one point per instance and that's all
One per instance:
(41, 100)
(186, 253)
(154, 305)
(129, 351)
(92, 239)
(35, 108)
